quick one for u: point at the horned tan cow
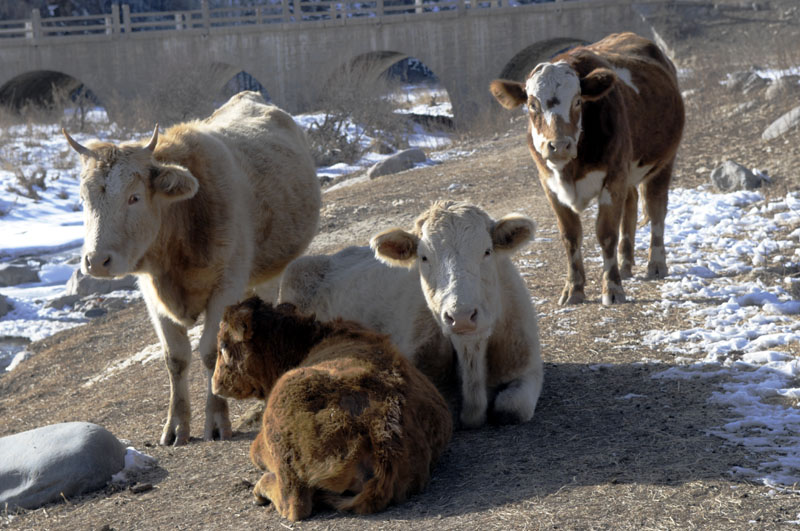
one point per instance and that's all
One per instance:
(348, 418)
(198, 214)
(603, 119)
(453, 303)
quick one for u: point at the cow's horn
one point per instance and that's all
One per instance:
(77, 147)
(153, 140)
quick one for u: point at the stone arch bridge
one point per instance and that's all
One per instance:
(295, 47)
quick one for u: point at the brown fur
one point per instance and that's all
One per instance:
(349, 421)
(620, 127)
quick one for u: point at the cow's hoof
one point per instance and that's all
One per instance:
(171, 437)
(261, 500)
(656, 270)
(218, 430)
(613, 296)
(571, 296)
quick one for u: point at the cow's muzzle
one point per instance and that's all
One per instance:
(98, 264)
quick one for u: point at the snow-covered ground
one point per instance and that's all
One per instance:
(746, 331)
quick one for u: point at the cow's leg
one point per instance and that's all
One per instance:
(608, 221)
(472, 368)
(218, 423)
(569, 226)
(517, 402)
(177, 355)
(288, 495)
(656, 194)
(627, 233)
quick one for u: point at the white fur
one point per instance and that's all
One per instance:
(576, 196)
(554, 80)
(637, 173)
(625, 75)
(409, 304)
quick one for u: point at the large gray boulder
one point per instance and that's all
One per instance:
(83, 285)
(400, 161)
(731, 176)
(55, 462)
(782, 125)
(5, 305)
(13, 275)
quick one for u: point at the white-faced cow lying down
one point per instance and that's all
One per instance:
(603, 119)
(449, 297)
(348, 418)
(198, 214)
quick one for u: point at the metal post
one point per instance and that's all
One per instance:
(205, 15)
(285, 17)
(126, 18)
(298, 14)
(35, 25)
(115, 19)
(380, 8)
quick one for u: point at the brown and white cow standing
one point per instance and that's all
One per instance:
(603, 119)
(198, 214)
(451, 299)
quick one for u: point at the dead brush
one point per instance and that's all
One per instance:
(354, 109)
(27, 185)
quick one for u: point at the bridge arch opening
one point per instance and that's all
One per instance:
(518, 68)
(377, 102)
(242, 81)
(49, 95)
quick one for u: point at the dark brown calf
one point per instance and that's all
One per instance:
(349, 421)
(603, 119)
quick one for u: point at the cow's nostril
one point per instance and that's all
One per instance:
(107, 261)
(448, 319)
(474, 316)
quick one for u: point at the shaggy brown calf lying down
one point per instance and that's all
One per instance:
(349, 421)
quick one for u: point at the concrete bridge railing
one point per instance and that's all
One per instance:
(121, 22)
(294, 48)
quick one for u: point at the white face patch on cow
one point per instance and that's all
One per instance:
(578, 195)
(555, 87)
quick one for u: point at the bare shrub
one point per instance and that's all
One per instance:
(27, 185)
(355, 108)
(183, 93)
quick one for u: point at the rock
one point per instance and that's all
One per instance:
(731, 177)
(783, 87)
(746, 81)
(5, 305)
(782, 125)
(13, 275)
(401, 161)
(55, 462)
(83, 285)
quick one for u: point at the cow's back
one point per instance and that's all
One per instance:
(284, 193)
(648, 84)
(354, 285)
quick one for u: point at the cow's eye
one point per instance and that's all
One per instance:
(488, 252)
(134, 198)
(577, 103)
(533, 105)
(424, 258)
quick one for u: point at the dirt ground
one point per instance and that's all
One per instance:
(587, 460)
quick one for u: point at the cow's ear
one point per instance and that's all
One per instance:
(240, 323)
(173, 182)
(510, 94)
(395, 247)
(512, 232)
(596, 84)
